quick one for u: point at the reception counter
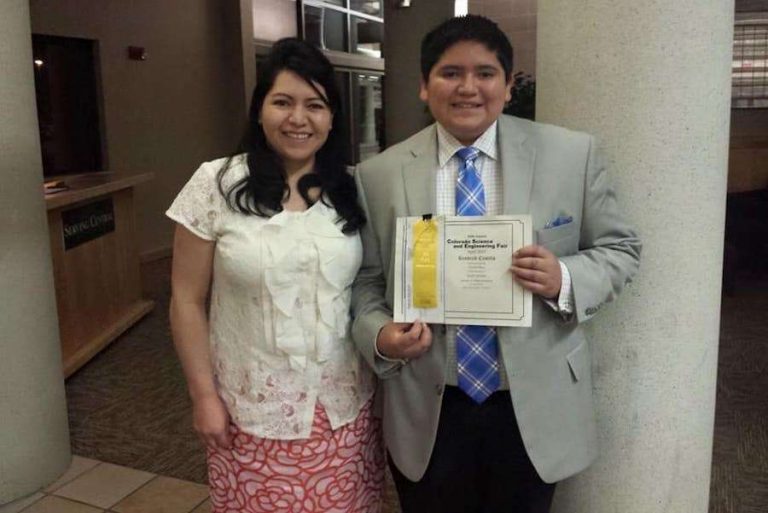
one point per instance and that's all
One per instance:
(95, 262)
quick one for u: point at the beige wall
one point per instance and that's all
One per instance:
(517, 18)
(181, 106)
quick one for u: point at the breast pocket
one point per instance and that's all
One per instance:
(560, 240)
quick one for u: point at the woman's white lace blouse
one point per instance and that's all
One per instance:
(279, 314)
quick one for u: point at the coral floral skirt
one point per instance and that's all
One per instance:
(332, 471)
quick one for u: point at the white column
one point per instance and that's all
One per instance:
(34, 436)
(652, 81)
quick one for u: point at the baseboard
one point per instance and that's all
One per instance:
(155, 254)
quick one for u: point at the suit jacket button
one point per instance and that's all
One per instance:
(439, 389)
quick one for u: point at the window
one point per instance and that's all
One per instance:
(351, 34)
(368, 115)
(372, 7)
(367, 36)
(363, 108)
(750, 61)
(326, 28)
(352, 26)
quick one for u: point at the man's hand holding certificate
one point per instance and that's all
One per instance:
(456, 270)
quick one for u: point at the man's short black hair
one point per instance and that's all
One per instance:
(465, 28)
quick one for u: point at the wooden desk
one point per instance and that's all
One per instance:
(95, 263)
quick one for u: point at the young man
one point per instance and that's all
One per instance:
(497, 442)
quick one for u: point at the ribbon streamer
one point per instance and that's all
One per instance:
(425, 263)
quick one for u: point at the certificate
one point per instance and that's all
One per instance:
(456, 270)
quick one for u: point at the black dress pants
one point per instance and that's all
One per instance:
(478, 464)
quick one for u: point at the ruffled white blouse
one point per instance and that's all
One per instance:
(279, 314)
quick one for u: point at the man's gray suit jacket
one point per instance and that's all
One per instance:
(547, 172)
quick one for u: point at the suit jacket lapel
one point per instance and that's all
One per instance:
(419, 173)
(517, 159)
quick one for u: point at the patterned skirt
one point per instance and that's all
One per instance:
(332, 471)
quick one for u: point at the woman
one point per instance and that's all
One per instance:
(280, 397)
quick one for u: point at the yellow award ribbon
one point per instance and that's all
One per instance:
(425, 264)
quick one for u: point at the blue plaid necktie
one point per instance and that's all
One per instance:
(477, 348)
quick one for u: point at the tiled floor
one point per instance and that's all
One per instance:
(91, 486)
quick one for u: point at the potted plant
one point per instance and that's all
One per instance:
(523, 103)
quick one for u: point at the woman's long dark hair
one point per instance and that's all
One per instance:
(263, 190)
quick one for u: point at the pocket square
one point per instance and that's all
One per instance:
(558, 221)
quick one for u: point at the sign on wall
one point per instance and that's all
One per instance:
(87, 222)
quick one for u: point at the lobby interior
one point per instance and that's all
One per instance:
(128, 412)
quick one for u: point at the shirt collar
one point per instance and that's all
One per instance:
(448, 145)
